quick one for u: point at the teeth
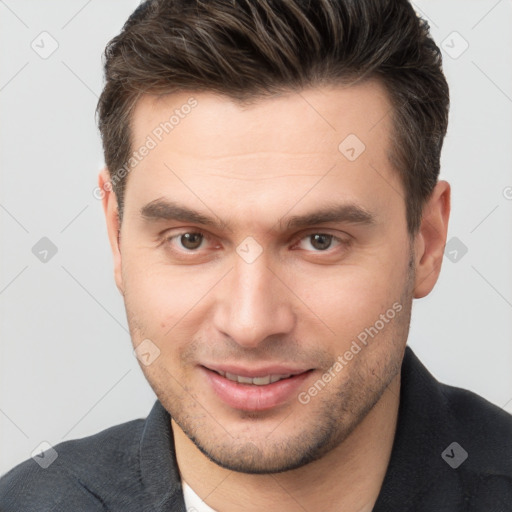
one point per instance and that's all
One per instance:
(257, 381)
(262, 381)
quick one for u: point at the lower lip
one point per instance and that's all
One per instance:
(249, 397)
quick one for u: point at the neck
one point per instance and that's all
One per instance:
(348, 478)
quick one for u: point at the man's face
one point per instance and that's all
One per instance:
(256, 293)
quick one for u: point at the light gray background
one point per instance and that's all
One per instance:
(66, 363)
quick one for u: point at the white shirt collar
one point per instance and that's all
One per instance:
(193, 503)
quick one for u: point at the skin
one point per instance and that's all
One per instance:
(298, 303)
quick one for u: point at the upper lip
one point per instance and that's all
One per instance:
(256, 372)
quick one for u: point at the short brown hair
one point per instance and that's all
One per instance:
(254, 48)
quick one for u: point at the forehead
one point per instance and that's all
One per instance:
(206, 147)
(320, 116)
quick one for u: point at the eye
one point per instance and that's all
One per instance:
(320, 241)
(188, 240)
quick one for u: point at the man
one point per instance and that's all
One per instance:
(273, 207)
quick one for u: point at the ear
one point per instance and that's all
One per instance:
(111, 211)
(431, 239)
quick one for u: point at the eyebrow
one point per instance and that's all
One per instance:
(162, 209)
(350, 213)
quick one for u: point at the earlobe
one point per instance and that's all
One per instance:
(431, 239)
(111, 211)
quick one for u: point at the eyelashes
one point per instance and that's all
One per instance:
(191, 243)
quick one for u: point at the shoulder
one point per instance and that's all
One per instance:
(463, 441)
(469, 406)
(81, 467)
(452, 414)
(485, 424)
(484, 431)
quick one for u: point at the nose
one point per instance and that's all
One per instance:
(253, 304)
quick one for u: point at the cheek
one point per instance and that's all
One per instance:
(344, 300)
(164, 299)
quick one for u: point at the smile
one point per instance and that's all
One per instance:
(256, 381)
(264, 389)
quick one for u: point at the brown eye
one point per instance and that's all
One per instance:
(321, 241)
(191, 241)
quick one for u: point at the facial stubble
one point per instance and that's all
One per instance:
(328, 422)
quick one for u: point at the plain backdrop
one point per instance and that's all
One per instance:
(66, 363)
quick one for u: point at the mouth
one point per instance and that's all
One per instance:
(254, 381)
(264, 389)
